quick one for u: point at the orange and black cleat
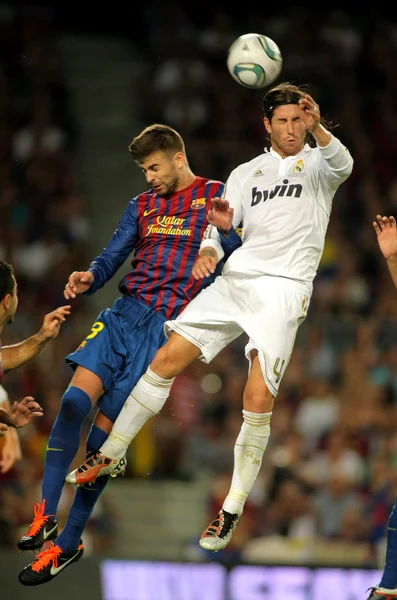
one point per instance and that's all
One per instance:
(49, 564)
(96, 466)
(44, 528)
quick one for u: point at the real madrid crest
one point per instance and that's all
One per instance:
(298, 166)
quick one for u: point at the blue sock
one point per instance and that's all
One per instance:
(63, 445)
(389, 577)
(84, 500)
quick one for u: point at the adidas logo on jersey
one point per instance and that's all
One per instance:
(293, 189)
(258, 173)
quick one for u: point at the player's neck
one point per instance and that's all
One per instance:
(186, 180)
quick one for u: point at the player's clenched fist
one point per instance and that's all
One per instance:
(78, 283)
(205, 264)
(220, 214)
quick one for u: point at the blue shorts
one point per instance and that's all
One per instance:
(121, 345)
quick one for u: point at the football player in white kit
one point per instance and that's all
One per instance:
(283, 199)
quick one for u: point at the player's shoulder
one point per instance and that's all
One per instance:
(207, 182)
(252, 166)
(207, 188)
(136, 205)
(141, 199)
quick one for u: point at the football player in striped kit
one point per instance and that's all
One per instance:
(284, 199)
(164, 228)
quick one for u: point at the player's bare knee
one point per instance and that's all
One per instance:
(258, 400)
(174, 357)
(162, 363)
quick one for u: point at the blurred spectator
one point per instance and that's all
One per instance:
(44, 231)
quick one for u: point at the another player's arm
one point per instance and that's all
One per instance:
(225, 216)
(206, 263)
(18, 354)
(20, 413)
(386, 234)
(392, 266)
(104, 266)
(220, 238)
(11, 451)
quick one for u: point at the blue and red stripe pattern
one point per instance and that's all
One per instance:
(165, 235)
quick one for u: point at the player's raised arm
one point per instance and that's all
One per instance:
(386, 234)
(122, 243)
(337, 159)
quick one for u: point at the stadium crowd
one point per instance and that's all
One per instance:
(43, 232)
(333, 448)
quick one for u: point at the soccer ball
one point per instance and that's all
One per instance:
(254, 60)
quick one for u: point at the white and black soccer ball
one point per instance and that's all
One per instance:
(254, 60)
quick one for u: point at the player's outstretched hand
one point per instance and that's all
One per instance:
(21, 413)
(386, 233)
(310, 113)
(204, 266)
(52, 323)
(221, 214)
(78, 283)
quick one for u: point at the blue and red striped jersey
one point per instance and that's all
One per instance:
(165, 235)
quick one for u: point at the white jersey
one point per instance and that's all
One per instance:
(284, 205)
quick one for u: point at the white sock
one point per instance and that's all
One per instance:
(248, 453)
(145, 400)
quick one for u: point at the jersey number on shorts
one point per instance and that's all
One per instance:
(276, 370)
(95, 329)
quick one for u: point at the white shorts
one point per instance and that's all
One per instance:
(268, 309)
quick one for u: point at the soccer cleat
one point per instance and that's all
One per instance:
(219, 532)
(97, 466)
(49, 564)
(379, 593)
(44, 528)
